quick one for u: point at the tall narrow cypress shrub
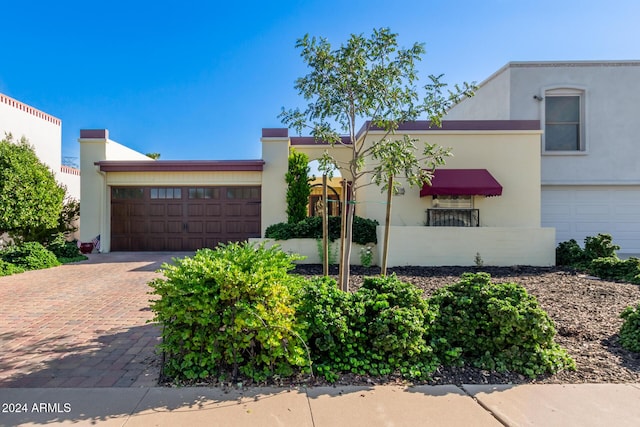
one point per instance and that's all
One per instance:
(298, 187)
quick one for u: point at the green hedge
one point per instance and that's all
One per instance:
(381, 329)
(364, 230)
(237, 310)
(630, 330)
(230, 311)
(495, 326)
(7, 269)
(29, 256)
(598, 258)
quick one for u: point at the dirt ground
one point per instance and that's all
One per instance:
(586, 312)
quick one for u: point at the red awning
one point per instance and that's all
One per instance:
(462, 182)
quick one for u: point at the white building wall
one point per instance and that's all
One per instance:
(608, 165)
(44, 133)
(612, 128)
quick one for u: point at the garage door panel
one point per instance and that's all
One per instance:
(157, 226)
(592, 209)
(194, 243)
(233, 209)
(138, 210)
(580, 212)
(174, 209)
(138, 226)
(214, 227)
(214, 210)
(190, 219)
(195, 227)
(174, 227)
(157, 210)
(194, 210)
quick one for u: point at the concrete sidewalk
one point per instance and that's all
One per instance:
(469, 405)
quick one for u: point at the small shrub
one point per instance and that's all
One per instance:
(613, 268)
(495, 326)
(230, 311)
(364, 230)
(30, 256)
(366, 256)
(569, 254)
(61, 248)
(333, 255)
(600, 246)
(7, 269)
(381, 329)
(630, 330)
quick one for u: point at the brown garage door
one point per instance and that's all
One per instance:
(182, 218)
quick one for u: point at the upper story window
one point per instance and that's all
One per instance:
(564, 120)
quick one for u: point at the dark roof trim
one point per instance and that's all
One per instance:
(94, 133)
(468, 125)
(275, 132)
(180, 165)
(310, 140)
(420, 125)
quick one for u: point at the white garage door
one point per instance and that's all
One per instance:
(578, 213)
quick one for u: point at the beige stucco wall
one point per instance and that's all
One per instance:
(95, 207)
(309, 248)
(512, 157)
(497, 246)
(509, 232)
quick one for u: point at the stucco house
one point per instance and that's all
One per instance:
(486, 200)
(44, 133)
(589, 152)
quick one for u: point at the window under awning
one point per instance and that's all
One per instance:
(462, 182)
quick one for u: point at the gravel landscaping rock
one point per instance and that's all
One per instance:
(586, 312)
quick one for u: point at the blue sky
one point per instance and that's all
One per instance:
(199, 80)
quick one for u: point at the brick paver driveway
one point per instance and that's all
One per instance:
(81, 325)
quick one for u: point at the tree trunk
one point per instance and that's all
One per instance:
(387, 228)
(343, 229)
(348, 237)
(325, 228)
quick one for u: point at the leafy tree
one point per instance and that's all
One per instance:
(298, 188)
(371, 80)
(397, 158)
(67, 224)
(154, 156)
(30, 197)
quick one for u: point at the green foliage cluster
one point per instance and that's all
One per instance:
(30, 197)
(381, 329)
(298, 188)
(230, 311)
(569, 254)
(29, 256)
(65, 251)
(630, 329)
(6, 268)
(237, 310)
(495, 326)
(46, 234)
(598, 258)
(613, 268)
(364, 230)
